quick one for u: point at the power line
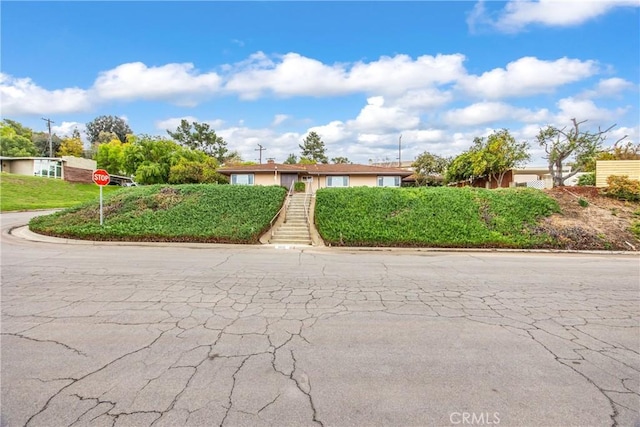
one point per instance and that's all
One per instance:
(49, 121)
(260, 150)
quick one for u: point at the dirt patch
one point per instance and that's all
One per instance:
(590, 220)
(164, 199)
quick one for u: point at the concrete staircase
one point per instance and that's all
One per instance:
(295, 228)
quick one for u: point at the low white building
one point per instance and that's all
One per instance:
(68, 168)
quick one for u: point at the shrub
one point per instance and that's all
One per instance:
(183, 213)
(588, 179)
(299, 187)
(623, 188)
(433, 216)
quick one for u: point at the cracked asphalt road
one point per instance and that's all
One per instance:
(199, 335)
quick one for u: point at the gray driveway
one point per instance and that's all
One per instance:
(198, 335)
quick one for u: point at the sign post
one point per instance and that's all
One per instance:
(102, 178)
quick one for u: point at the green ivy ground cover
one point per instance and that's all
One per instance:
(436, 217)
(181, 213)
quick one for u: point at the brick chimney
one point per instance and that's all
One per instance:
(270, 161)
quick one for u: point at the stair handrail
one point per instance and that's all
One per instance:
(306, 211)
(284, 207)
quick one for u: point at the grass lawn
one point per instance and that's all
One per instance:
(436, 217)
(176, 213)
(21, 192)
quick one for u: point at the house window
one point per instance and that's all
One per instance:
(47, 168)
(388, 181)
(242, 179)
(337, 181)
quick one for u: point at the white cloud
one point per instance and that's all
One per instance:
(491, 112)
(608, 88)
(375, 116)
(613, 86)
(396, 75)
(527, 76)
(584, 109)
(518, 14)
(424, 99)
(65, 129)
(279, 119)
(23, 96)
(295, 75)
(333, 132)
(632, 134)
(179, 83)
(173, 122)
(246, 140)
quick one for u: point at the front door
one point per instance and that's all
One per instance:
(287, 178)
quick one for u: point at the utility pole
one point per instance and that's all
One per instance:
(260, 150)
(400, 151)
(49, 121)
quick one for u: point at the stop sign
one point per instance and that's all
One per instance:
(101, 177)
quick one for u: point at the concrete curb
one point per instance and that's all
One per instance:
(24, 233)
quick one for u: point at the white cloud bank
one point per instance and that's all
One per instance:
(527, 76)
(404, 95)
(519, 14)
(295, 75)
(21, 96)
(421, 84)
(180, 83)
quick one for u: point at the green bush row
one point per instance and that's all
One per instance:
(439, 217)
(189, 213)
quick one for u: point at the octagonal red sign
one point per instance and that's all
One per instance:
(101, 177)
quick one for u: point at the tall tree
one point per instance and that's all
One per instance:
(156, 160)
(498, 154)
(339, 159)
(291, 160)
(71, 147)
(570, 144)
(430, 169)
(460, 168)
(41, 142)
(313, 148)
(199, 136)
(18, 128)
(233, 158)
(13, 144)
(202, 171)
(307, 161)
(110, 156)
(113, 124)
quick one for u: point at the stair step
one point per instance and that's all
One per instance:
(295, 229)
(290, 242)
(291, 236)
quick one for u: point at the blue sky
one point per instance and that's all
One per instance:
(358, 73)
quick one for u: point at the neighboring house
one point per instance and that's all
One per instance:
(606, 168)
(530, 176)
(315, 176)
(68, 168)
